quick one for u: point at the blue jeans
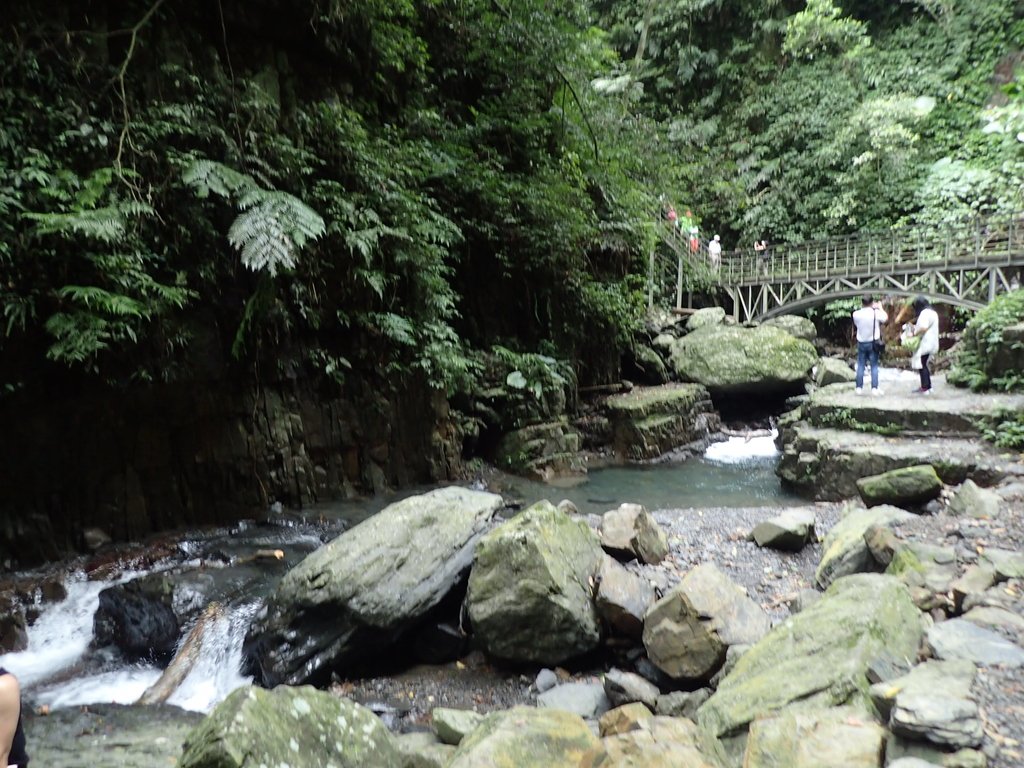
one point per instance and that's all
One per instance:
(866, 353)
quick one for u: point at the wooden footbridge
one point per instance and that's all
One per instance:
(967, 265)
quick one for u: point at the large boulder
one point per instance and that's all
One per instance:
(524, 737)
(289, 726)
(818, 658)
(650, 421)
(733, 359)
(703, 318)
(790, 530)
(794, 325)
(845, 550)
(530, 590)
(970, 500)
(688, 631)
(904, 486)
(362, 591)
(541, 451)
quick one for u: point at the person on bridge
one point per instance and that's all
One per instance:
(715, 252)
(868, 322)
(927, 327)
(761, 251)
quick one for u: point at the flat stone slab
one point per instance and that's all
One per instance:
(960, 639)
(588, 700)
(789, 531)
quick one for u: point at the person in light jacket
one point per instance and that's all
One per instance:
(927, 327)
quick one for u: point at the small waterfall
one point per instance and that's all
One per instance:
(58, 668)
(737, 450)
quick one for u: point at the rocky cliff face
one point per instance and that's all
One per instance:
(164, 457)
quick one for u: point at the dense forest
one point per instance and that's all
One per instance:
(380, 187)
(360, 193)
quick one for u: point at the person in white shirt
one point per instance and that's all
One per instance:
(715, 252)
(868, 322)
(927, 327)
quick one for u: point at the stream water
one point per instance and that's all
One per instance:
(59, 669)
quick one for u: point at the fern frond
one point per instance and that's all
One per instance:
(206, 176)
(104, 301)
(106, 224)
(273, 227)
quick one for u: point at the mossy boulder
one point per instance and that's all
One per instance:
(838, 736)
(648, 422)
(654, 742)
(819, 657)
(734, 359)
(909, 486)
(645, 366)
(530, 589)
(845, 550)
(524, 737)
(702, 318)
(794, 325)
(831, 370)
(541, 451)
(289, 726)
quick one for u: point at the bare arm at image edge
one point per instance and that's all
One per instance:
(10, 708)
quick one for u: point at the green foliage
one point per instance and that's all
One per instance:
(1006, 430)
(980, 362)
(820, 28)
(843, 418)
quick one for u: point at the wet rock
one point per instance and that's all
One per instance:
(524, 737)
(960, 639)
(688, 631)
(819, 656)
(360, 592)
(630, 531)
(422, 750)
(809, 739)
(682, 703)
(656, 742)
(452, 725)
(253, 726)
(588, 700)
(648, 422)
(844, 550)
(907, 486)
(94, 538)
(789, 531)
(13, 633)
(138, 618)
(52, 591)
(80, 737)
(622, 599)
(971, 500)
(932, 703)
(623, 718)
(626, 688)
(549, 617)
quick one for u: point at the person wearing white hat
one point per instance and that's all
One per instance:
(715, 252)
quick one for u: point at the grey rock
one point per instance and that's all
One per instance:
(804, 599)
(898, 748)
(904, 486)
(421, 749)
(688, 631)
(811, 738)
(974, 581)
(830, 370)
(789, 531)
(549, 617)
(630, 531)
(844, 550)
(682, 703)
(526, 737)
(373, 581)
(546, 680)
(452, 725)
(794, 325)
(989, 617)
(960, 639)
(627, 687)
(588, 700)
(971, 500)
(622, 599)
(705, 317)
